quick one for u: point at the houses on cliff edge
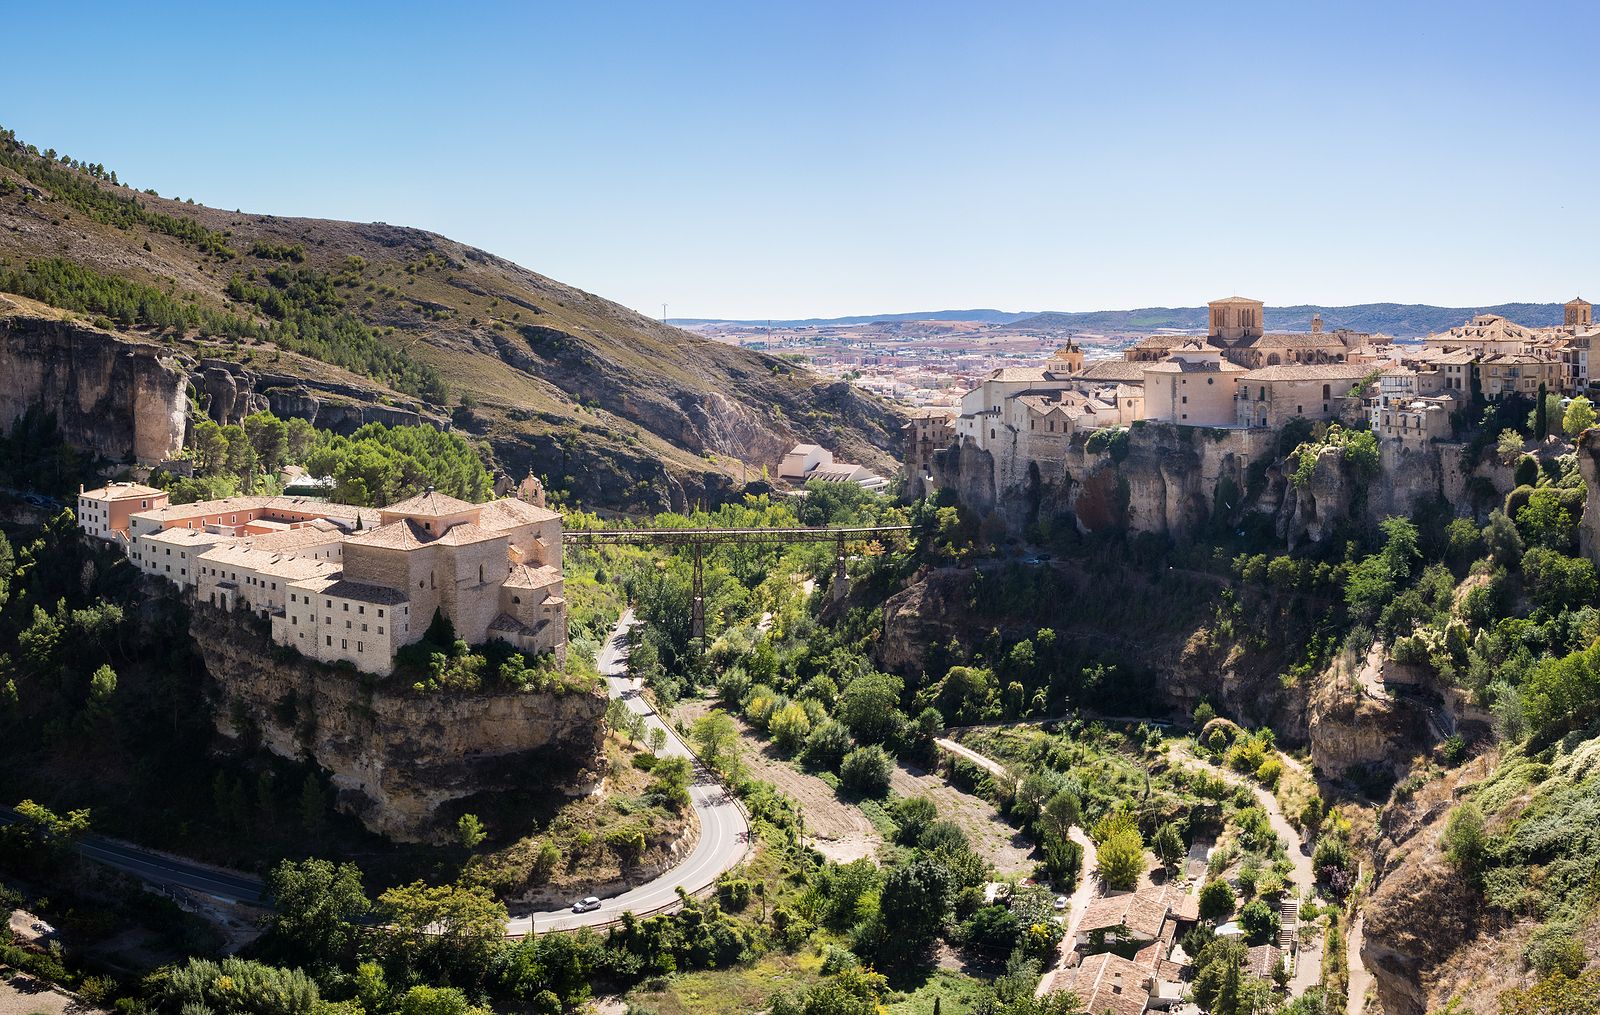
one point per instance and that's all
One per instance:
(344, 584)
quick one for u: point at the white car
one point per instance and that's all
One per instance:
(1061, 903)
(586, 905)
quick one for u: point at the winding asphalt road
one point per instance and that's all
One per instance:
(163, 869)
(724, 835)
(724, 829)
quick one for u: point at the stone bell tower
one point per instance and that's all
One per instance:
(1580, 313)
(1070, 355)
(1235, 319)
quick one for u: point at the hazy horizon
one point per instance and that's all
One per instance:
(740, 162)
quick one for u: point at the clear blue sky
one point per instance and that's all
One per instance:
(763, 159)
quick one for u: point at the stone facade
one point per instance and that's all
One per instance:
(342, 584)
(1271, 396)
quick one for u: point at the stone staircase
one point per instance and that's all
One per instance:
(1288, 922)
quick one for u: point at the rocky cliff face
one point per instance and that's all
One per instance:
(1160, 478)
(1172, 479)
(1589, 467)
(229, 392)
(398, 758)
(122, 399)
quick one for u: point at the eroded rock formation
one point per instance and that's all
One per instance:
(119, 398)
(398, 758)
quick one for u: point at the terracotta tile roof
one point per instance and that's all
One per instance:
(430, 504)
(1309, 372)
(1295, 340)
(1141, 912)
(1185, 366)
(302, 538)
(508, 512)
(180, 537)
(123, 491)
(1260, 960)
(1120, 371)
(1107, 983)
(403, 534)
(467, 532)
(364, 593)
(524, 576)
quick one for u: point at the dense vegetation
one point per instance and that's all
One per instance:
(374, 466)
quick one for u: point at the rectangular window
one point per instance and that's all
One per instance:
(330, 641)
(344, 643)
(380, 628)
(360, 647)
(380, 611)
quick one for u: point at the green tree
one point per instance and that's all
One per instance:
(469, 831)
(238, 986)
(1579, 417)
(1168, 846)
(716, 740)
(448, 930)
(789, 726)
(1557, 994)
(1541, 415)
(1465, 841)
(1259, 920)
(424, 1000)
(865, 770)
(317, 909)
(870, 706)
(1216, 900)
(1119, 851)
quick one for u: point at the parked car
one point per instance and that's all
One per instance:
(586, 905)
(1061, 903)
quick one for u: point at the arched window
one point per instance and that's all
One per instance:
(480, 574)
(1325, 392)
(517, 600)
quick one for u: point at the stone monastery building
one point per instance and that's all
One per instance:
(348, 584)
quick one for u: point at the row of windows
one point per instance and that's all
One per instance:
(294, 620)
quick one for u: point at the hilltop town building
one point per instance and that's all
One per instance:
(347, 584)
(1271, 396)
(104, 513)
(806, 462)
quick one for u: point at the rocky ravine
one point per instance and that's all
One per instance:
(398, 758)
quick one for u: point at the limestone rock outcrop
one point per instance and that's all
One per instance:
(119, 398)
(399, 759)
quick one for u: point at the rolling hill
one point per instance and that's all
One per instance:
(617, 410)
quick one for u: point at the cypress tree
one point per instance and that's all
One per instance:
(1541, 421)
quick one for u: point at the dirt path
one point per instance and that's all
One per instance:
(1360, 979)
(837, 830)
(1307, 973)
(24, 995)
(990, 836)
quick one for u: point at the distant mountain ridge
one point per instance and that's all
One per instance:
(1402, 320)
(980, 316)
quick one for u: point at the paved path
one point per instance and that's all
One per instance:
(1307, 972)
(724, 829)
(163, 869)
(724, 835)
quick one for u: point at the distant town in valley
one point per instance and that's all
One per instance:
(929, 360)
